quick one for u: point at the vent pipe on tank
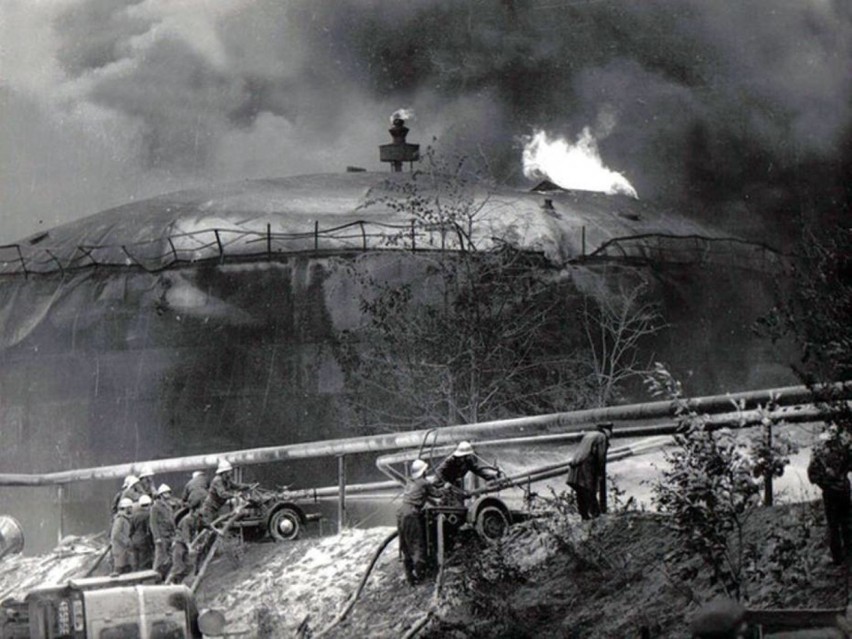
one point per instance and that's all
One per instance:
(399, 150)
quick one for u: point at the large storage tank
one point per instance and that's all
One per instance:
(203, 321)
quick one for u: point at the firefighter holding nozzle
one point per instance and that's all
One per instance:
(462, 461)
(410, 522)
(223, 488)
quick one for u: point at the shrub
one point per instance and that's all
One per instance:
(709, 491)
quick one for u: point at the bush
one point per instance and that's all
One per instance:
(709, 491)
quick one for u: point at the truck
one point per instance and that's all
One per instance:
(130, 606)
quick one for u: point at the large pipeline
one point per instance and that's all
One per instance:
(788, 414)
(555, 423)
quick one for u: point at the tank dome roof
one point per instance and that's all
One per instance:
(333, 212)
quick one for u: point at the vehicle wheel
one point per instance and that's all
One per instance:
(491, 523)
(285, 525)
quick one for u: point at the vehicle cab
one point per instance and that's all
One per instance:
(131, 606)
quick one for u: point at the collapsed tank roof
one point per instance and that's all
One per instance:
(332, 212)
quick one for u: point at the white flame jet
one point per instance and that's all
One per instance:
(573, 166)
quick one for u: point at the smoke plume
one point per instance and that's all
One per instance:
(738, 111)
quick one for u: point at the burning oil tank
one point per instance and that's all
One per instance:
(205, 320)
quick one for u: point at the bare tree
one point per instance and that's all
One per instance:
(616, 321)
(480, 329)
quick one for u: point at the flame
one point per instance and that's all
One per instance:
(572, 166)
(402, 114)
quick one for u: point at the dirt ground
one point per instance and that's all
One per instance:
(609, 578)
(550, 577)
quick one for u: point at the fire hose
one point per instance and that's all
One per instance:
(229, 521)
(97, 563)
(351, 602)
(420, 623)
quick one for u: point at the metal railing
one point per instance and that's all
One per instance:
(234, 244)
(663, 247)
(222, 244)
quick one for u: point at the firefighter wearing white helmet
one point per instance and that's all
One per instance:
(146, 480)
(130, 489)
(141, 541)
(162, 523)
(119, 538)
(195, 490)
(409, 521)
(462, 461)
(222, 488)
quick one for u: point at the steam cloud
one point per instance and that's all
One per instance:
(739, 111)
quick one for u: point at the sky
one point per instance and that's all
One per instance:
(736, 112)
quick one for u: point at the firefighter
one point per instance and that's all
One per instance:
(222, 488)
(182, 564)
(129, 481)
(462, 461)
(140, 534)
(195, 490)
(133, 491)
(119, 538)
(828, 468)
(146, 481)
(720, 619)
(587, 470)
(410, 522)
(162, 524)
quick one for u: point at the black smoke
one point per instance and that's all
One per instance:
(738, 112)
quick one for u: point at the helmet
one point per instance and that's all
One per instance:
(144, 500)
(224, 466)
(145, 471)
(463, 450)
(130, 480)
(125, 502)
(418, 468)
(164, 488)
(197, 473)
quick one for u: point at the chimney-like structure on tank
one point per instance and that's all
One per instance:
(399, 150)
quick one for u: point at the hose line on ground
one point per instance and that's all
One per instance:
(101, 556)
(351, 602)
(433, 606)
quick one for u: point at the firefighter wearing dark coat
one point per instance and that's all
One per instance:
(162, 525)
(195, 491)
(587, 470)
(222, 488)
(182, 565)
(410, 524)
(828, 468)
(462, 461)
(119, 538)
(130, 489)
(146, 482)
(140, 534)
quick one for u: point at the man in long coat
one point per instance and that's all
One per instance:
(119, 538)
(162, 524)
(588, 470)
(829, 467)
(140, 534)
(410, 524)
